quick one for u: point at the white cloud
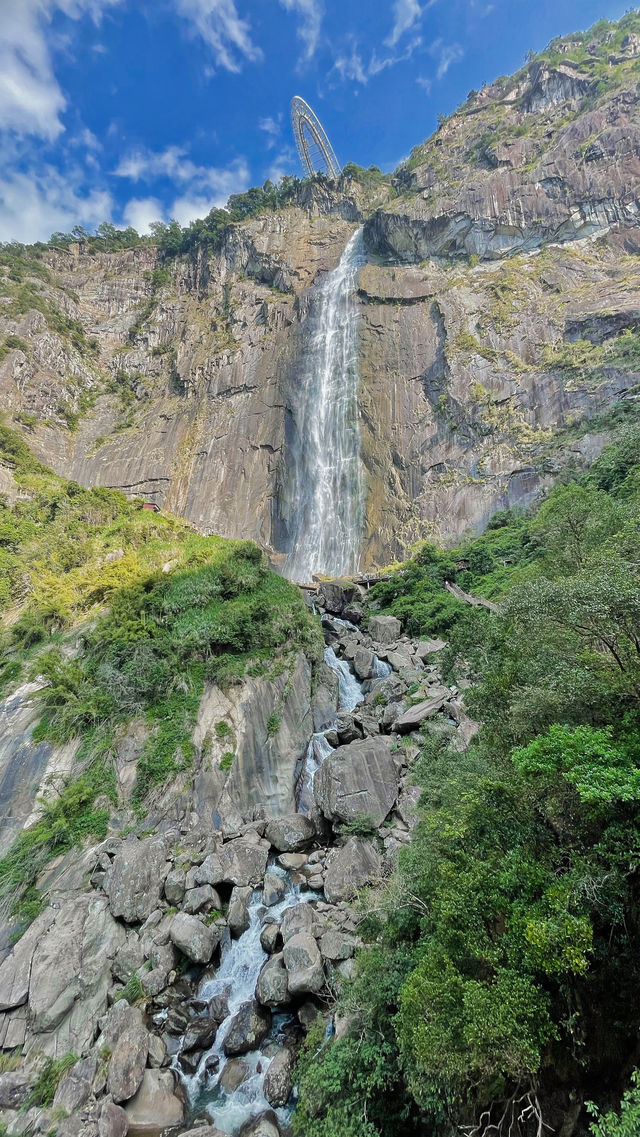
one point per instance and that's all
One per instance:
(189, 206)
(446, 54)
(222, 29)
(350, 66)
(206, 185)
(186, 209)
(31, 101)
(36, 204)
(272, 127)
(426, 84)
(144, 165)
(406, 13)
(85, 139)
(286, 162)
(376, 64)
(310, 13)
(141, 211)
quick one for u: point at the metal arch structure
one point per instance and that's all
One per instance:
(314, 149)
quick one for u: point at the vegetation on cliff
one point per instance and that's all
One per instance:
(123, 612)
(596, 62)
(499, 988)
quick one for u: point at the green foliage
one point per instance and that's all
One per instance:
(10, 1060)
(511, 925)
(361, 826)
(146, 655)
(48, 1080)
(227, 760)
(626, 1123)
(223, 730)
(273, 724)
(601, 772)
(12, 343)
(133, 991)
(67, 820)
(584, 360)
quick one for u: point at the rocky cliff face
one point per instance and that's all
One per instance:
(508, 242)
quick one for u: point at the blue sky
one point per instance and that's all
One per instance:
(137, 110)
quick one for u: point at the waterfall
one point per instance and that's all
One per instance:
(327, 486)
(349, 689)
(236, 978)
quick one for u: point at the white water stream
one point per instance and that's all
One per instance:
(327, 486)
(236, 978)
(242, 960)
(327, 489)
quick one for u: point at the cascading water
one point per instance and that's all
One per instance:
(350, 693)
(236, 978)
(244, 957)
(326, 484)
(349, 690)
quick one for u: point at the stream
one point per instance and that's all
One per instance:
(243, 958)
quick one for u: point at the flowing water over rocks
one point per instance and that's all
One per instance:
(235, 982)
(236, 934)
(326, 479)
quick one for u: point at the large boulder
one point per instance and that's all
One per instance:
(278, 1080)
(336, 594)
(266, 1125)
(156, 1106)
(125, 1034)
(384, 629)
(291, 833)
(74, 1089)
(15, 970)
(71, 976)
(364, 662)
(15, 1087)
(428, 647)
(193, 938)
(209, 872)
(249, 1027)
(238, 913)
(335, 946)
(235, 1072)
(296, 918)
(203, 1131)
(303, 962)
(274, 890)
(174, 886)
(350, 868)
(263, 775)
(356, 780)
(415, 716)
(136, 879)
(113, 1121)
(272, 988)
(243, 862)
(201, 899)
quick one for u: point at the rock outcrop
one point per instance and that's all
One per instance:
(357, 780)
(467, 388)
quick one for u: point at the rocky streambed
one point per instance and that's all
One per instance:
(183, 968)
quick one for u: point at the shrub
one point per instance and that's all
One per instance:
(48, 1079)
(273, 724)
(133, 991)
